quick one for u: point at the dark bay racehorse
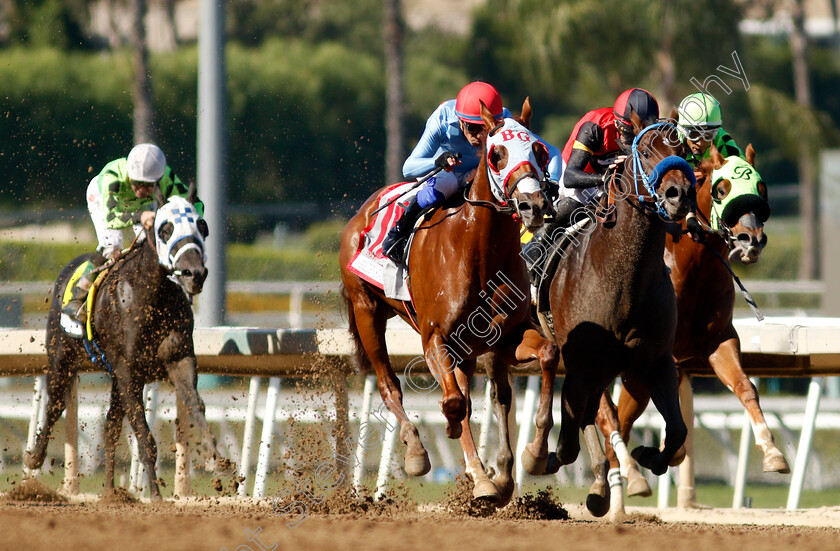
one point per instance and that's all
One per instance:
(143, 327)
(613, 305)
(470, 291)
(705, 335)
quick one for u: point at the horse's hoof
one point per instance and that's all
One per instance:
(29, 461)
(618, 516)
(552, 465)
(486, 491)
(774, 463)
(534, 465)
(505, 486)
(453, 429)
(650, 458)
(417, 465)
(598, 505)
(678, 457)
(637, 486)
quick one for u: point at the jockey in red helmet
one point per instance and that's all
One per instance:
(454, 127)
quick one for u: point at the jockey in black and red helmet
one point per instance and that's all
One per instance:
(600, 138)
(599, 141)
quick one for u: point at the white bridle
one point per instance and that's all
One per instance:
(518, 141)
(184, 219)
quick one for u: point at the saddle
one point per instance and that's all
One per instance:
(551, 246)
(71, 326)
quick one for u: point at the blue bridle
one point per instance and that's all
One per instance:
(651, 182)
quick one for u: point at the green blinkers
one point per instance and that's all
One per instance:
(743, 197)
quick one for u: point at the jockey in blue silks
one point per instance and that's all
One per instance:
(454, 127)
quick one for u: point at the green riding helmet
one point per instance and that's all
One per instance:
(699, 110)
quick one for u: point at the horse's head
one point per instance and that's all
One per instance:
(739, 203)
(179, 235)
(516, 163)
(657, 161)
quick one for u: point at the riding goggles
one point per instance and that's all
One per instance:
(699, 133)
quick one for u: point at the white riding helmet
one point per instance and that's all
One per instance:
(146, 163)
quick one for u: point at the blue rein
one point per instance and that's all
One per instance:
(652, 181)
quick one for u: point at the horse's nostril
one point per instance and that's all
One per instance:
(525, 206)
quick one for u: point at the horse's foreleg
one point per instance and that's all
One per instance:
(483, 487)
(598, 500)
(368, 329)
(132, 399)
(574, 399)
(58, 384)
(535, 458)
(442, 363)
(502, 397)
(183, 376)
(113, 428)
(632, 402)
(661, 382)
(726, 361)
(607, 421)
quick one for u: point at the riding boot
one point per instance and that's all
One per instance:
(394, 244)
(75, 307)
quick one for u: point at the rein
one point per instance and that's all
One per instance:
(651, 182)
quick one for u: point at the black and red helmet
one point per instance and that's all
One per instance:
(639, 100)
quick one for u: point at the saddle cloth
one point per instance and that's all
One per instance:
(369, 263)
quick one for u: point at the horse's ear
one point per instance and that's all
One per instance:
(157, 193)
(717, 159)
(675, 115)
(706, 167)
(525, 117)
(487, 117)
(636, 120)
(749, 155)
(192, 192)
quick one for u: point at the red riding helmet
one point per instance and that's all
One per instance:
(468, 106)
(639, 100)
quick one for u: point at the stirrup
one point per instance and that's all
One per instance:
(396, 252)
(76, 309)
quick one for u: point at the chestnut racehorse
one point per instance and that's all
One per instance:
(613, 305)
(469, 287)
(706, 337)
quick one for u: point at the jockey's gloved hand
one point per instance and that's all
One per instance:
(446, 160)
(695, 228)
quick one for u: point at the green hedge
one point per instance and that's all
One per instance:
(305, 121)
(43, 262)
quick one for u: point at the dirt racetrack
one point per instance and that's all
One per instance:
(219, 523)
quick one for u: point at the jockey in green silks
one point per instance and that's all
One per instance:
(699, 126)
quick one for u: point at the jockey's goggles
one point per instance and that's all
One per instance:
(699, 133)
(473, 127)
(138, 183)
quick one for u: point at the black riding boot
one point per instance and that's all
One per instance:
(75, 307)
(394, 244)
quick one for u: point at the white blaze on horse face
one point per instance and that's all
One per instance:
(518, 141)
(184, 219)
